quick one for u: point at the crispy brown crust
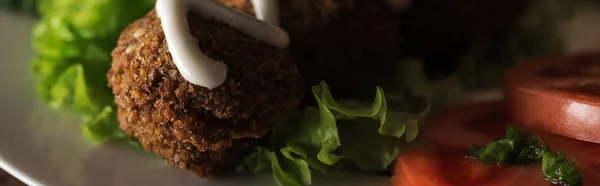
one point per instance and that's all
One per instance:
(190, 126)
(339, 41)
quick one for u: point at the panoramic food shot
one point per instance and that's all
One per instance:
(300, 92)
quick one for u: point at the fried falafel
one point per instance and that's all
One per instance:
(337, 41)
(202, 130)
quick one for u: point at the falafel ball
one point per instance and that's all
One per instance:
(442, 32)
(192, 127)
(339, 41)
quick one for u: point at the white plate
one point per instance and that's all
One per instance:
(43, 147)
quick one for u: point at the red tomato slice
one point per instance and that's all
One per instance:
(442, 161)
(557, 95)
(417, 168)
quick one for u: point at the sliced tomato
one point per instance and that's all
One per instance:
(560, 95)
(416, 167)
(451, 133)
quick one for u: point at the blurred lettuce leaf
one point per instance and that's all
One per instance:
(411, 89)
(73, 40)
(369, 136)
(540, 32)
(257, 161)
(101, 126)
(95, 19)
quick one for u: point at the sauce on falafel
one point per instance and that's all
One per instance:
(192, 63)
(267, 10)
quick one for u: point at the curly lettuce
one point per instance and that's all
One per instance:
(335, 135)
(73, 40)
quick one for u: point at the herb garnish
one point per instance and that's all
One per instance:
(518, 149)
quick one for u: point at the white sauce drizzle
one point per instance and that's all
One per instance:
(195, 66)
(267, 10)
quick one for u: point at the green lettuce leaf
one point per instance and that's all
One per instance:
(101, 127)
(73, 41)
(287, 169)
(333, 135)
(311, 139)
(412, 84)
(321, 133)
(94, 19)
(290, 170)
(71, 89)
(371, 151)
(257, 161)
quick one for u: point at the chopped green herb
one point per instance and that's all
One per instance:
(518, 149)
